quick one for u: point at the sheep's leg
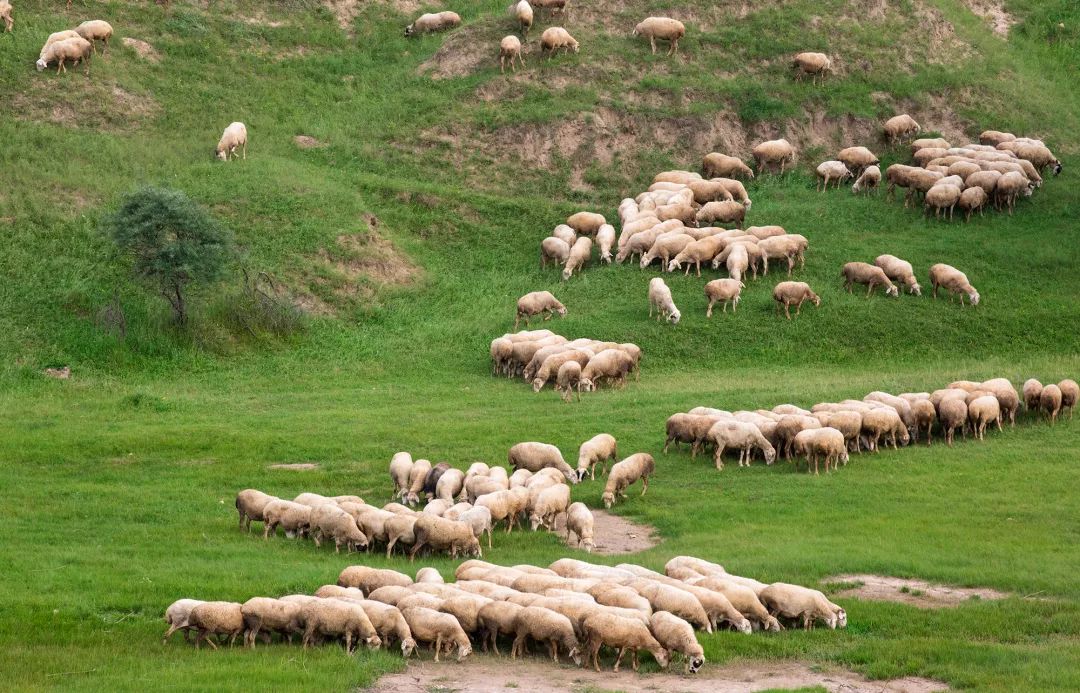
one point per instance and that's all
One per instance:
(708, 311)
(645, 485)
(172, 629)
(652, 44)
(618, 660)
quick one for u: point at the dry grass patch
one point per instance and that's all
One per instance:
(925, 595)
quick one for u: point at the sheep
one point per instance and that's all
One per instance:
(538, 303)
(333, 522)
(716, 165)
(600, 448)
(790, 247)
(509, 52)
(1050, 400)
(742, 598)
(478, 519)
(96, 30)
(817, 65)
(1070, 392)
(417, 476)
(233, 137)
(565, 233)
(477, 486)
(676, 635)
(660, 299)
(857, 158)
(900, 271)
(925, 414)
(623, 633)
(871, 275)
(623, 474)
(75, 50)
(681, 210)
(368, 579)
(832, 170)
(1039, 156)
(523, 12)
(609, 364)
(442, 534)
(431, 22)
(546, 506)
(9, 22)
(1032, 391)
(579, 255)
(666, 247)
(389, 624)
(688, 428)
(727, 211)
(178, 617)
(536, 456)
(740, 436)
(400, 529)
(450, 484)
(546, 627)
(579, 521)
(726, 290)
(942, 197)
(987, 180)
(737, 190)
(294, 518)
(216, 618)
(995, 137)
(803, 604)
(605, 238)
(695, 253)
(464, 606)
(883, 422)
(716, 606)
(774, 152)
(400, 471)
(822, 442)
(263, 613)
(439, 629)
(868, 180)
(928, 143)
(494, 619)
(899, 126)
(952, 413)
(954, 281)
(789, 294)
(1007, 396)
(250, 504)
(982, 411)
(567, 379)
(1009, 187)
(555, 38)
(662, 28)
(698, 565)
(676, 176)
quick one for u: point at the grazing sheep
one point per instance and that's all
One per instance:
(216, 618)
(738, 259)
(995, 137)
(233, 137)
(817, 65)
(450, 484)
(605, 238)
(509, 51)
(741, 436)
(444, 535)
(666, 247)
(417, 477)
(742, 598)
(178, 617)
(96, 30)
(538, 303)
(774, 152)
(600, 448)
(587, 223)
(555, 38)
(548, 628)
(431, 22)
(664, 29)
(870, 275)
(367, 579)
(610, 364)
(389, 624)
(727, 211)
(982, 411)
(868, 180)
(952, 413)
(546, 506)
(439, 629)
(942, 196)
(567, 379)
(494, 619)
(536, 456)
(1032, 392)
(9, 22)
(579, 521)
(726, 290)
(676, 635)
(716, 165)
(900, 126)
(264, 613)
(660, 299)
(401, 465)
(623, 633)
(294, 518)
(818, 443)
(954, 281)
(695, 253)
(791, 247)
(789, 294)
(330, 521)
(1050, 400)
(831, 170)
(579, 255)
(925, 414)
(338, 618)
(250, 505)
(555, 250)
(1070, 392)
(803, 604)
(900, 271)
(523, 12)
(857, 158)
(688, 428)
(1009, 188)
(75, 50)
(400, 529)
(623, 474)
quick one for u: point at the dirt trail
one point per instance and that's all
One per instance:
(924, 595)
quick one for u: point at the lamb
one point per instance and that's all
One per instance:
(817, 65)
(605, 238)
(546, 627)
(579, 255)
(660, 299)
(727, 211)
(662, 28)
(1032, 393)
(716, 165)
(294, 518)
(250, 505)
(523, 12)
(368, 579)
(942, 197)
(726, 290)
(600, 448)
(789, 294)
(178, 616)
(982, 411)
(1070, 392)
(536, 456)
(742, 437)
(75, 50)
(263, 613)
(801, 603)
(900, 126)
(333, 522)
(431, 22)
(234, 136)
(831, 170)
(622, 633)
(695, 253)
(623, 475)
(546, 506)
(538, 303)
(417, 476)
(389, 624)
(954, 281)
(609, 364)
(579, 521)
(676, 635)
(900, 271)
(216, 618)
(774, 152)
(868, 180)
(555, 38)
(510, 51)
(871, 275)
(9, 22)
(952, 412)
(96, 30)
(1050, 400)
(443, 535)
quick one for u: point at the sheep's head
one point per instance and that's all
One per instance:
(646, 259)
(408, 646)
(538, 384)
(586, 385)
(567, 273)
(589, 545)
(575, 655)
(771, 624)
(673, 265)
(609, 499)
(1055, 166)
(41, 66)
(464, 650)
(561, 311)
(916, 289)
(815, 299)
(221, 154)
(844, 455)
(662, 658)
(571, 476)
(974, 296)
(716, 263)
(841, 618)
(770, 454)
(892, 291)
(574, 45)
(534, 521)
(373, 643)
(410, 30)
(743, 626)
(694, 663)
(675, 317)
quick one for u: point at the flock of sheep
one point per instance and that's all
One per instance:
(541, 356)
(571, 608)
(829, 431)
(69, 46)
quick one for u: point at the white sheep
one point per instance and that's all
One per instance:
(216, 618)
(401, 465)
(715, 165)
(548, 628)
(439, 629)
(567, 380)
(579, 521)
(178, 617)
(609, 364)
(870, 275)
(509, 52)
(538, 303)
(622, 633)
(726, 290)
(954, 281)
(662, 28)
(537, 456)
(803, 604)
(235, 136)
(75, 50)
(523, 12)
(444, 535)
(817, 65)
(96, 30)
(741, 436)
(774, 152)
(676, 635)
(250, 504)
(660, 299)
(432, 22)
(555, 38)
(266, 614)
(868, 180)
(623, 474)
(829, 171)
(600, 448)
(294, 518)
(9, 19)
(900, 271)
(579, 255)
(605, 238)
(900, 126)
(789, 294)
(547, 505)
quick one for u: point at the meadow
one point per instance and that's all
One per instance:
(406, 237)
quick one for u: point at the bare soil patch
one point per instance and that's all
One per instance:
(463, 51)
(993, 11)
(489, 674)
(614, 534)
(296, 467)
(143, 49)
(924, 595)
(307, 142)
(345, 11)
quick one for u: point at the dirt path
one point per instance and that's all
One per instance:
(924, 595)
(615, 534)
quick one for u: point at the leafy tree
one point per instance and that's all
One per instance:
(173, 242)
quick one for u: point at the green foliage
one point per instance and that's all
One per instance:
(172, 242)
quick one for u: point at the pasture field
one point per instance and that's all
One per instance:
(407, 234)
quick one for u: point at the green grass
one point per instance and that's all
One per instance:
(119, 483)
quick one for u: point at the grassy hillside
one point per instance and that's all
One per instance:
(404, 238)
